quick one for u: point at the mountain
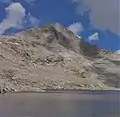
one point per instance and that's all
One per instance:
(52, 57)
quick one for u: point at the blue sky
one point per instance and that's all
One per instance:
(94, 20)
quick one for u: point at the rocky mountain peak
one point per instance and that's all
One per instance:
(52, 57)
(56, 34)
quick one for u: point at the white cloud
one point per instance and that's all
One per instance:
(105, 14)
(15, 18)
(9, 1)
(94, 36)
(5, 1)
(32, 21)
(76, 27)
(29, 1)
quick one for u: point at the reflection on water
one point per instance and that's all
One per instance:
(60, 105)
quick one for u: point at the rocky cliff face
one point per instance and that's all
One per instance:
(52, 57)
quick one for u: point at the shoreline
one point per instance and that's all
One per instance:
(81, 91)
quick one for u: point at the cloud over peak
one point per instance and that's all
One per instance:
(105, 14)
(16, 18)
(76, 27)
(94, 37)
(9, 1)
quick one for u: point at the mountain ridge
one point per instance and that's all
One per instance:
(52, 57)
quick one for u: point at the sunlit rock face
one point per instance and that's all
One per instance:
(52, 57)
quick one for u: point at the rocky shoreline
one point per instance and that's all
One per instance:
(62, 90)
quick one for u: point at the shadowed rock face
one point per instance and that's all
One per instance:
(52, 57)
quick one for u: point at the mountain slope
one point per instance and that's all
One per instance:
(52, 57)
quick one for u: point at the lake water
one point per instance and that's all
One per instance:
(66, 104)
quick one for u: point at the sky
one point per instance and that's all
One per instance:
(97, 21)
